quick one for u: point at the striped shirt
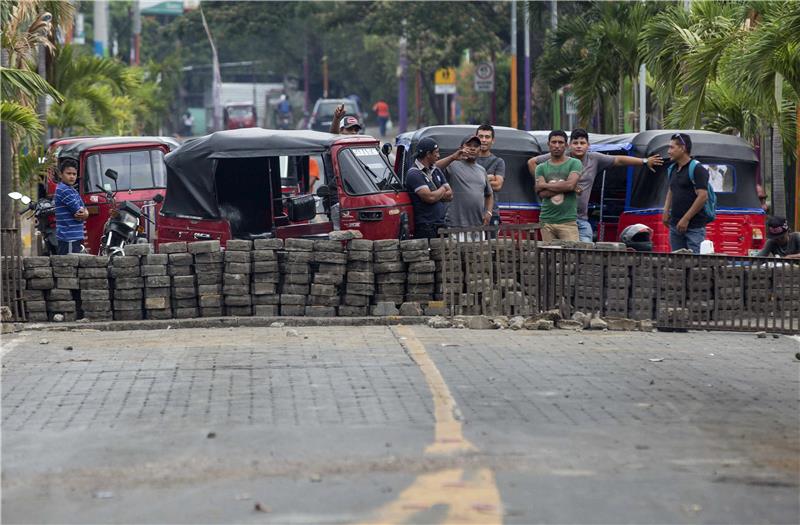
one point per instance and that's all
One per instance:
(67, 202)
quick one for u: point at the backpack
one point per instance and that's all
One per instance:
(710, 207)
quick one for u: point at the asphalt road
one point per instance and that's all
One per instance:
(399, 425)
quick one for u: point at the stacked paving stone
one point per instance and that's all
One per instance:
(644, 282)
(157, 286)
(360, 279)
(759, 290)
(295, 266)
(390, 277)
(617, 290)
(209, 264)
(729, 287)
(127, 286)
(67, 286)
(94, 285)
(236, 277)
(329, 268)
(700, 297)
(672, 309)
(421, 276)
(183, 289)
(39, 282)
(589, 282)
(266, 277)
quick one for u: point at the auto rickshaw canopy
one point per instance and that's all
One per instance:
(74, 149)
(191, 169)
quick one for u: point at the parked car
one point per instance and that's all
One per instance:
(322, 114)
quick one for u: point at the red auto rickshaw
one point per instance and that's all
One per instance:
(739, 228)
(228, 185)
(139, 163)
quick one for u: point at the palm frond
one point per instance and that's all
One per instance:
(15, 83)
(23, 122)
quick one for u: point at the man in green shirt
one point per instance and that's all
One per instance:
(559, 176)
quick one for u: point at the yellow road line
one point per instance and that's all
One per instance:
(470, 495)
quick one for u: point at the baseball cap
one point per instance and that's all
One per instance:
(471, 138)
(776, 226)
(348, 122)
(425, 146)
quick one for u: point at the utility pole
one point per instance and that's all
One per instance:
(513, 111)
(217, 77)
(306, 84)
(101, 28)
(137, 34)
(493, 113)
(527, 23)
(7, 215)
(325, 76)
(402, 90)
(642, 97)
(556, 96)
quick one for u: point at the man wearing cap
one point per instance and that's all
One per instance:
(472, 193)
(428, 189)
(344, 124)
(683, 207)
(780, 243)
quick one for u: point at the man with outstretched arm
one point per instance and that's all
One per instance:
(472, 194)
(592, 163)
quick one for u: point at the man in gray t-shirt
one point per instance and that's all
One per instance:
(472, 195)
(593, 163)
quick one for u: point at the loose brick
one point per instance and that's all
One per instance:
(36, 306)
(186, 313)
(236, 289)
(124, 262)
(65, 271)
(386, 256)
(184, 293)
(129, 294)
(237, 257)
(211, 312)
(320, 311)
(274, 277)
(96, 306)
(386, 245)
(138, 249)
(237, 300)
(328, 278)
(325, 245)
(93, 261)
(93, 284)
(179, 270)
(330, 257)
(207, 258)
(186, 302)
(238, 245)
(263, 255)
(132, 304)
(148, 270)
(181, 259)
(265, 266)
(41, 284)
(266, 310)
(58, 294)
(70, 261)
(204, 247)
(264, 288)
(414, 244)
(172, 247)
(298, 245)
(116, 273)
(158, 281)
(95, 295)
(61, 306)
(158, 292)
(268, 244)
(365, 256)
(35, 262)
(184, 281)
(161, 259)
(297, 278)
(293, 310)
(68, 283)
(267, 299)
(40, 272)
(301, 289)
(129, 282)
(293, 299)
(322, 289)
(238, 267)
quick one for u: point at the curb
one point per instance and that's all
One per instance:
(224, 322)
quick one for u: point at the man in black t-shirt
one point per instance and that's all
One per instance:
(781, 243)
(687, 194)
(429, 190)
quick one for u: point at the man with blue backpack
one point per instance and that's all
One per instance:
(691, 202)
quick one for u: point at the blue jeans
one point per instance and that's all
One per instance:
(691, 239)
(585, 233)
(67, 247)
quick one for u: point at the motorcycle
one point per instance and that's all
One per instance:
(43, 212)
(123, 224)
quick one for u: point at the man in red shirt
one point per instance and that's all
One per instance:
(381, 110)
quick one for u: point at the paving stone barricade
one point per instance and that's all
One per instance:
(355, 278)
(263, 277)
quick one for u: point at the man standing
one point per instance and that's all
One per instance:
(592, 163)
(472, 194)
(495, 167)
(558, 176)
(381, 110)
(687, 194)
(428, 189)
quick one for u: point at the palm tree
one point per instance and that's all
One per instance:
(27, 26)
(93, 87)
(730, 65)
(597, 53)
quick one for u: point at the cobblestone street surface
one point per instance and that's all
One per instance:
(399, 425)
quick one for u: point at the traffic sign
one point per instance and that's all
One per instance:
(484, 77)
(445, 76)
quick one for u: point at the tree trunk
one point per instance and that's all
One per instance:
(6, 169)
